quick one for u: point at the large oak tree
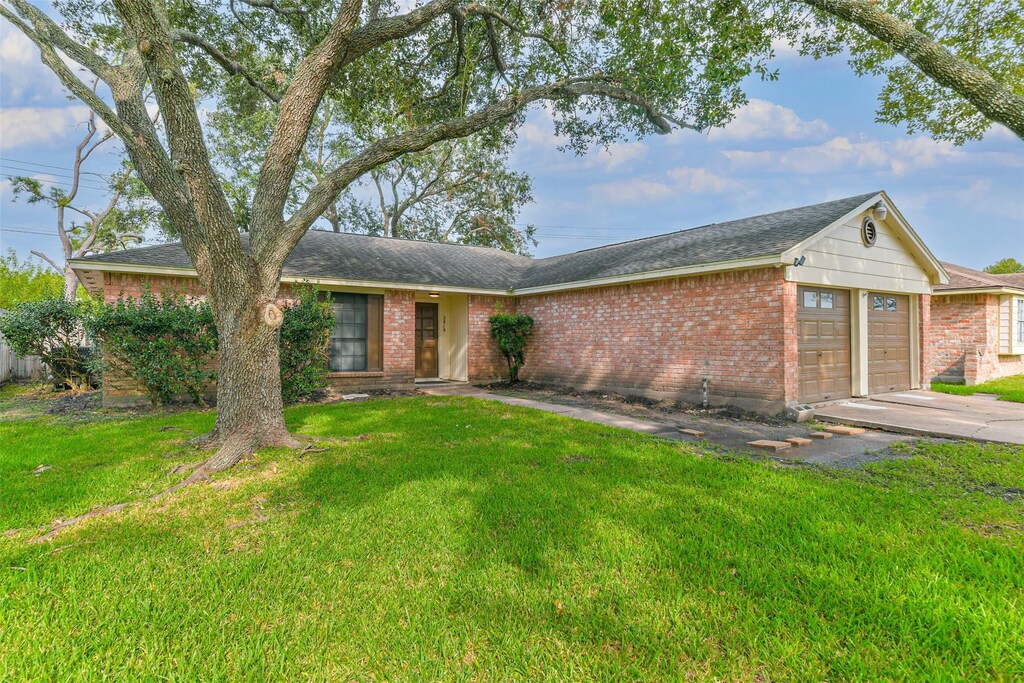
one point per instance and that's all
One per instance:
(403, 79)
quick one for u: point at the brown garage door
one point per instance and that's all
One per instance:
(823, 323)
(888, 342)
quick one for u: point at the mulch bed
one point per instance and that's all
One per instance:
(611, 401)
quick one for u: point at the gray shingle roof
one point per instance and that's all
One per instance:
(962, 277)
(377, 259)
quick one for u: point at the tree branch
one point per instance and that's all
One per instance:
(48, 260)
(421, 137)
(977, 86)
(271, 5)
(231, 66)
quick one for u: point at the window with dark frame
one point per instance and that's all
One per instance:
(356, 337)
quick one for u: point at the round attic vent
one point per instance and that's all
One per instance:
(868, 232)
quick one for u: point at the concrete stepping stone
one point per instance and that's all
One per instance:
(844, 430)
(820, 435)
(691, 432)
(799, 441)
(769, 445)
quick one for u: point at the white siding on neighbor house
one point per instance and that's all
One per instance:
(839, 258)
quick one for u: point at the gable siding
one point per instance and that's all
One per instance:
(839, 258)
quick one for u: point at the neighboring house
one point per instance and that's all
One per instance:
(810, 304)
(978, 326)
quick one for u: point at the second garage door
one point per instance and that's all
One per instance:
(888, 343)
(823, 321)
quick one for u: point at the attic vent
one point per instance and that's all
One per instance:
(868, 232)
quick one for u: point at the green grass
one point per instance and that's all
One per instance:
(467, 540)
(1008, 388)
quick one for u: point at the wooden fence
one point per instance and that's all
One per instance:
(16, 369)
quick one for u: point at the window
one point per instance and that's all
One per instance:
(826, 299)
(355, 339)
(1020, 320)
(810, 299)
(878, 303)
(890, 304)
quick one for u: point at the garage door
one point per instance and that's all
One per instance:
(823, 323)
(888, 342)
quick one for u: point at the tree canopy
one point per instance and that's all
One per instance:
(1005, 266)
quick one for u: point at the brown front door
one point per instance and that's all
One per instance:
(823, 336)
(888, 342)
(426, 340)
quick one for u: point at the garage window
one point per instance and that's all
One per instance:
(810, 299)
(826, 299)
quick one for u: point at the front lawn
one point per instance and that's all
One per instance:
(1008, 388)
(455, 539)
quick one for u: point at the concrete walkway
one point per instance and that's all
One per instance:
(929, 413)
(841, 451)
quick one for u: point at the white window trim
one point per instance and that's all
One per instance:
(1017, 324)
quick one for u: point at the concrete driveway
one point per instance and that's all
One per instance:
(928, 413)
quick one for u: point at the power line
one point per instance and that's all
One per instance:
(60, 168)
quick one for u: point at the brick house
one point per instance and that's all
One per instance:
(809, 304)
(977, 327)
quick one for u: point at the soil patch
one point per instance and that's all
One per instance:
(632, 406)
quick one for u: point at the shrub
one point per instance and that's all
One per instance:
(166, 343)
(304, 344)
(511, 332)
(51, 329)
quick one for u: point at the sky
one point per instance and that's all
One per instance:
(807, 138)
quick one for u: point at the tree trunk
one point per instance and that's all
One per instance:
(249, 407)
(70, 283)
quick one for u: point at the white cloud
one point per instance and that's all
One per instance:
(632, 191)
(761, 119)
(34, 126)
(897, 156)
(617, 154)
(700, 181)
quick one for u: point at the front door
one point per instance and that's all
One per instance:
(426, 340)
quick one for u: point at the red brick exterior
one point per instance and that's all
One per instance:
(964, 336)
(660, 339)
(926, 343)
(484, 359)
(398, 346)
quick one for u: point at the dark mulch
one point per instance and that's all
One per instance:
(609, 400)
(73, 403)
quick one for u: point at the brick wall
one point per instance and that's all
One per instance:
(399, 313)
(485, 361)
(926, 340)
(659, 339)
(399, 347)
(964, 335)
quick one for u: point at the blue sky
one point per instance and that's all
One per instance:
(807, 138)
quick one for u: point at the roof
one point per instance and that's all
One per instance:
(963, 278)
(351, 257)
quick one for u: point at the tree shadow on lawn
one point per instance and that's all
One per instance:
(617, 546)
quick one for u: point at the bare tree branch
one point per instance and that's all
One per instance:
(48, 260)
(271, 5)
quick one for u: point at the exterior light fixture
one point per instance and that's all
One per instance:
(797, 262)
(880, 211)
(433, 295)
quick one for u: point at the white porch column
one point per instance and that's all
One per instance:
(859, 341)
